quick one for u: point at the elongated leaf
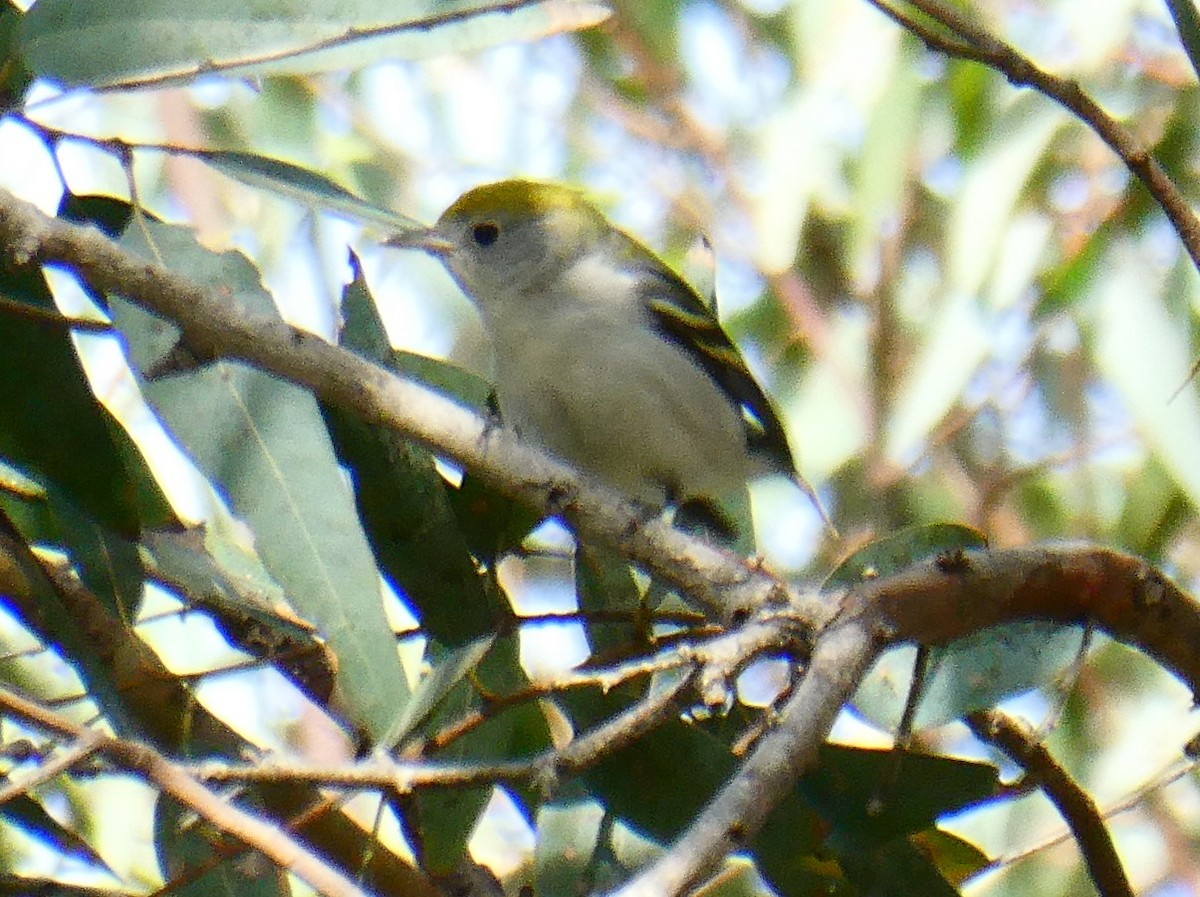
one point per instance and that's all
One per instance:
(303, 185)
(434, 687)
(108, 562)
(403, 499)
(263, 442)
(604, 582)
(141, 42)
(30, 816)
(246, 605)
(1187, 22)
(186, 846)
(54, 426)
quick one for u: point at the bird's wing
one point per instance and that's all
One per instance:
(681, 316)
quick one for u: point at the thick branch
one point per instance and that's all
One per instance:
(950, 597)
(217, 326)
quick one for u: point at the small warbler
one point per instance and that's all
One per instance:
(604, 356)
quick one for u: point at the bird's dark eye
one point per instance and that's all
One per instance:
(486, 233)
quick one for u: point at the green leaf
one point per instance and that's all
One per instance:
(262, 441)
(968, 674)
(303, 185)
(898, 869)
(90, 43)
(434, 688)
(14, 76)
(871, 797)
(604, 582)
(446, 819)
(31, 817)
(186, 846)
(109, 563)
(207, 569)
(563, 851)
(1143, 346)
(903, 549)
(1187, 22)
(403, 499)
(54, 427)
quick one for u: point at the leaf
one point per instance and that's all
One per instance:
(109, 563)
(968, 674)
(303, 185)
(1143, 346)
(901, 550)
(262, 441)
(54, 427)
(30, 816)
(14, 76)
(446, 818)
(247, 606)
(198, 862)
(402, 498)
(90, 43)
(604, 582)
(433, 688)
(563, 849)
(871, 797)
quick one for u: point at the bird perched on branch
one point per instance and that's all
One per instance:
(606, 357)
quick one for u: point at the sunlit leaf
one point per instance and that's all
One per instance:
(263, 442)
(302, 185)
(91, 43)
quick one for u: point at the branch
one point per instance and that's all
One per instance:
(405, 776)
(973, 43)
(929, 604)
(935, 602)
(1073, 802)
(144, 761)
(217, 326)
(840, 658)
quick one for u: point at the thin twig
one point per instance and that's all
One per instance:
(405, 776)
(734, 816)
(149, 764)
(83, 747)
(1020, 743)
(976, 44)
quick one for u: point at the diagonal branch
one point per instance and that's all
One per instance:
(963, 39)
(1073, 802)
(144, 761)
(840, 658)
(216, 326)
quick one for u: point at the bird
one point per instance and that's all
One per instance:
(606, 357)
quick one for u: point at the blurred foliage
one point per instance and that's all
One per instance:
(967, 309)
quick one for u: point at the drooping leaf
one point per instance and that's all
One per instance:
(197, 862)
(30, 816)
(53, 424)
(605, 583)
(262, 441)
(402, 498)
(245, 604)
(446, 818)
